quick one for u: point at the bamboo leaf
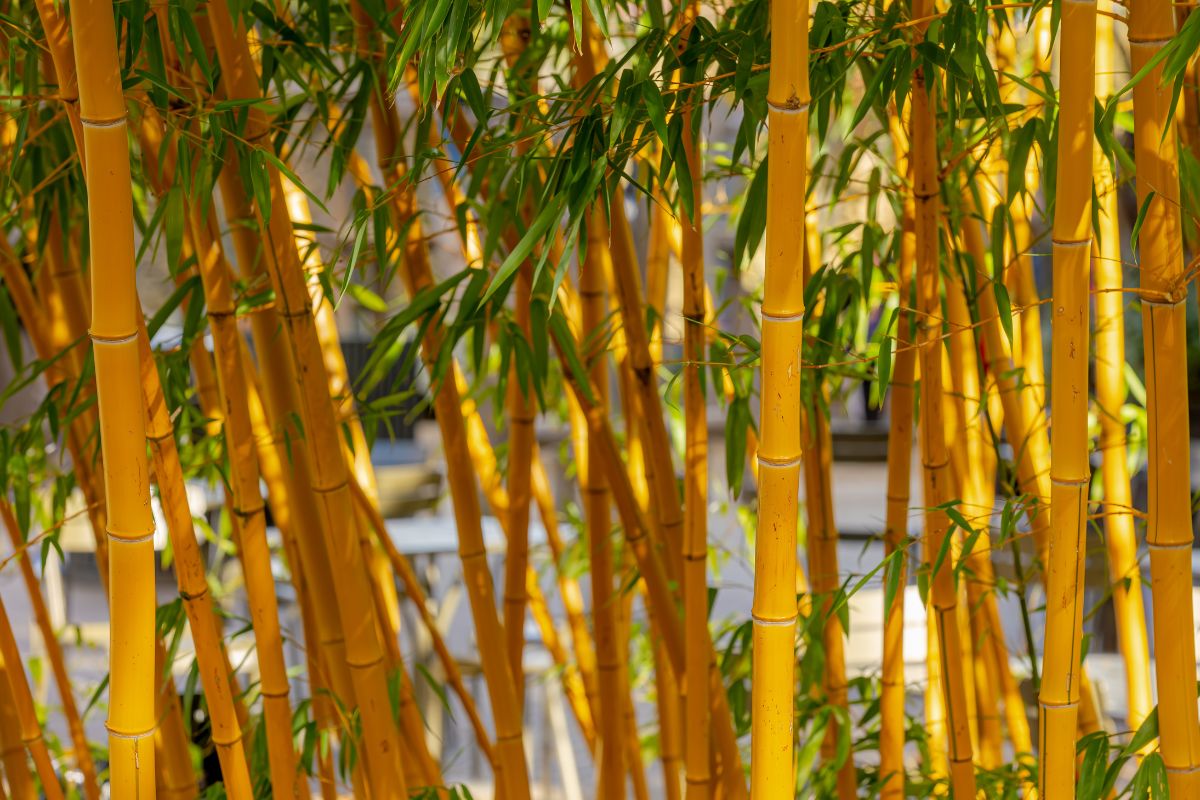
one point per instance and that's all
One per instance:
(1136, 231)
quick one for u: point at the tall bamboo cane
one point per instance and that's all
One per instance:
(12, 749)
(697, 641)
(1169, 528)
(520, 402)
(249, 507)
(1005, 401)
(114, 326)
(1119, 535)
(899, 480)
(30, 727)
(322, 438)
(774, 606)
(611, 773)
(1070, 473)
(500, 681)
(190, 575)
(82, 752)
(934, 455)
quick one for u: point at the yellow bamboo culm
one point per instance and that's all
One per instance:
(1006, 409)
(522, 408)
(611, 772)
(54, 653)
(30, 726)
(1120, 538)
(1164, 293)
(696, 638)
(330, 474)
(19, 777)
(934, 455)
(249, 507)
(774, 609)
(1058, 701)
(131, 719)
(978, 500)
(899, 478)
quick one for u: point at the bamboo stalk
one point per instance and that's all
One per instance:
(322, 437)
(821, 536)
(192, 581)
(611, 771)
(82, 752)
(271, 460)
(404, 571)
(520, 400)
(30, 727)
(483, 459)
(177, 768)
(1119, 534)
(512, 772)
(249, 508)
(131, 719)
(1002, 396)
(1070, 473)
(934, 456)
(774, 607)
(697, 640)
(978, 502)
(12, 749)
(1169, 526)
(899, 480)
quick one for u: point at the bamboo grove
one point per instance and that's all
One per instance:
(638, 269)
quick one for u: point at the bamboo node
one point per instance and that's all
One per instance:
(1084, 481)
(1085, 242)
(1138, 41)
(793, 105)
(131, 736)
(98, 338)
(777, 463)
(229, 742)
(120, 538)
(102, 123)
(799, 316)
(774, 623)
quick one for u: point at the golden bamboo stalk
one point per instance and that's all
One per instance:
(821, 536)
(774, 608)
(12, 749)
(611, 771)
(248, 506)
(1070, 473)
(131, 719)
(82, 752)
(697, 640)
(322, 436)
(520, 402)
(1119, 535)
(30, 727)
(934, 456)
(417, 273)
(190, 575)
(483, 459)
(978, 499)
(1163, 286)
(899, 481)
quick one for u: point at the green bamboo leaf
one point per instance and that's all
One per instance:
(1135, 233)
(655, 109)
(737, 422)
